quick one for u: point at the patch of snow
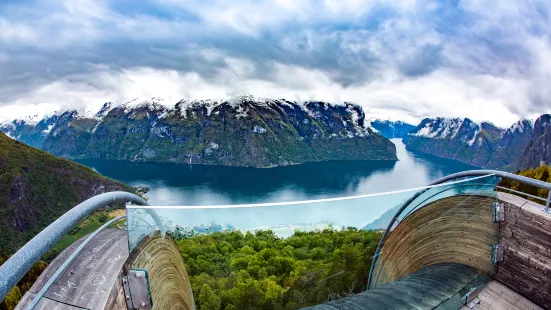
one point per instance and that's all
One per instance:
(259, 129)
(47, 130)
(471, 142)
(96, 126)
(157, 105)
(242, 112)
(9, 135)
(441, 128)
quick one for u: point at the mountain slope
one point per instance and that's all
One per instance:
(482, 145)
(37, 187)
(391, 129)
(243, 132)
(538, 148)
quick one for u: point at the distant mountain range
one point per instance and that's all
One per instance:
(246, 131)
(253, 132)
(391, 129)
(523, 145)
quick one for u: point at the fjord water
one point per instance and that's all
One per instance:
(173, 184)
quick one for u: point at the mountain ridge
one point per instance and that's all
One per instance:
(245, 131)
(480, 144)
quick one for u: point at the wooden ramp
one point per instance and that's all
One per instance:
(438, 286)
(94, 280)
(88, 281)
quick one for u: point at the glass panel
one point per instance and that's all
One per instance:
(483, 185)
(450, 224)
(297, 253)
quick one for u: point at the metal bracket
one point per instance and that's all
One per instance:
(498, 212)
(497, 253)
(136, 289)
(471, 298)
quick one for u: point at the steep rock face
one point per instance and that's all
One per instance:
(538, 148)
(69, 135)
(243, 132)
(482, 145)
(36, 188)
(459, 139)
(509, 149)
(392, 129)
(28, 130)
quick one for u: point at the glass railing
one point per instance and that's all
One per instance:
(452, 223)
(294, 254)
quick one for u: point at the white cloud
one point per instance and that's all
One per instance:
(401, 59)
(441, 93)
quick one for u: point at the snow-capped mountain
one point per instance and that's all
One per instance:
(391, 129)
(538, 148)
(245, 131)
(479, 144)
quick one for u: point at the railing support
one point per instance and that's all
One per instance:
(547, 203)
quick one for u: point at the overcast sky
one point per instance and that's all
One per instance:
(398, 59)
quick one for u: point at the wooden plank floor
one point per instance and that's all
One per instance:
(496, 296)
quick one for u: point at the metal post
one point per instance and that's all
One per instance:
(547, 203)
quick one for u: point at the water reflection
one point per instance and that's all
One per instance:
(206, 185)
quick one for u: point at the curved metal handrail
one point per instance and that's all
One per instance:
(68, 261)
(469, 173)
(22, 261)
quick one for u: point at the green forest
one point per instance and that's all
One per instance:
(233, 270)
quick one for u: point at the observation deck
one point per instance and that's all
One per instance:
(461, 242)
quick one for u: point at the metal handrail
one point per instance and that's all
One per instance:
(68, 261)
(470, 173)
(22, 261)
(521, 193)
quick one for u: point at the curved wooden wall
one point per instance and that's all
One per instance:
(456, 229)
(169, 281)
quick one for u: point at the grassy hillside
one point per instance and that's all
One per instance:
(37, 187)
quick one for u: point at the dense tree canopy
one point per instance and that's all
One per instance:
(232, 270)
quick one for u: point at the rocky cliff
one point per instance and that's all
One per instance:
(478, 144)
(37, 187)
(243, 132)
(538, 148)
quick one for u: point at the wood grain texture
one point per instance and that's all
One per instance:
(526, 235)
(456, 229)
(169, 281)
